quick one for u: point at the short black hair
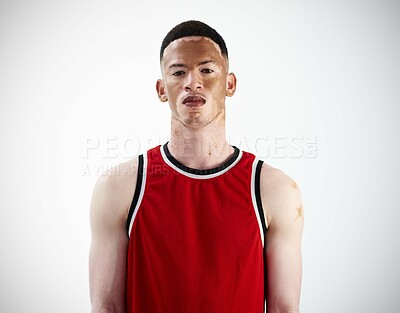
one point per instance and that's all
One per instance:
(193, 28)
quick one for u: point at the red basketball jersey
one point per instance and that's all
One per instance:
(196, 237)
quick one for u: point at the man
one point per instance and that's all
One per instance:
(195, 225)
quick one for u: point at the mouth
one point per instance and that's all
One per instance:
(193, 101)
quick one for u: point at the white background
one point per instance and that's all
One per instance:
(81, 74)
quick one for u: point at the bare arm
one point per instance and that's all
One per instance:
(282, 203)
(108, 251)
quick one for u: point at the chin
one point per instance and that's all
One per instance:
(195, 122)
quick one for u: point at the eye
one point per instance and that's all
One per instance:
(178, 73)
(207, 70)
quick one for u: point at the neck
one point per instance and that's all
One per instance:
(200, 148)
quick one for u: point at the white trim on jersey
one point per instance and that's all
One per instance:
(207, 176)
(142, 187)
(253, 197)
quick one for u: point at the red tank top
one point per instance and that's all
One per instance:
(196, 237)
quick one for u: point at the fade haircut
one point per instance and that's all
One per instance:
(193, 28)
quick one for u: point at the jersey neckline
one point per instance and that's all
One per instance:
(197, 173)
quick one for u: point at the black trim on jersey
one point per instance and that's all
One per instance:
(264, 226)
(258, 194)
(201, 172)
(138, 187)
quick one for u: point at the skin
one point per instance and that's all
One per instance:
(197, 134)
(195, 65)
(111, 199)
(283, 208)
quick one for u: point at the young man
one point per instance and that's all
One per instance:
(200, 226)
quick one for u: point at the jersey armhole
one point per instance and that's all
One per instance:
(257, 191)
(138, 195)
(256, 197)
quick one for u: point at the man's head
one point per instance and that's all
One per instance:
(194, 65)
(190, 29)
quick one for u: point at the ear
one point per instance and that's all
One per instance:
(230, 85)
(161, 90)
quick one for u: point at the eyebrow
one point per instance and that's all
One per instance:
(183, 65)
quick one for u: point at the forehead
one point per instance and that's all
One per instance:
(192, 48)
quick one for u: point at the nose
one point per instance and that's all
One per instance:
(193, 81)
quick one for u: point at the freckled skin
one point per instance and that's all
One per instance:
(299, 213)
(299, 209)
(209, 80)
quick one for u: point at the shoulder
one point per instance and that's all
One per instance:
(280, 195)
(114, 189)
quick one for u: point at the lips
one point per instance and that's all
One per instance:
(193, 101)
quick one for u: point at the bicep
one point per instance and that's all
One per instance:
(284, 269)
(107, 257)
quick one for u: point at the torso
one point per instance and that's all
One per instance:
(196, 238)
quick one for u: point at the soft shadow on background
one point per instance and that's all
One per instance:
(318, 97)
